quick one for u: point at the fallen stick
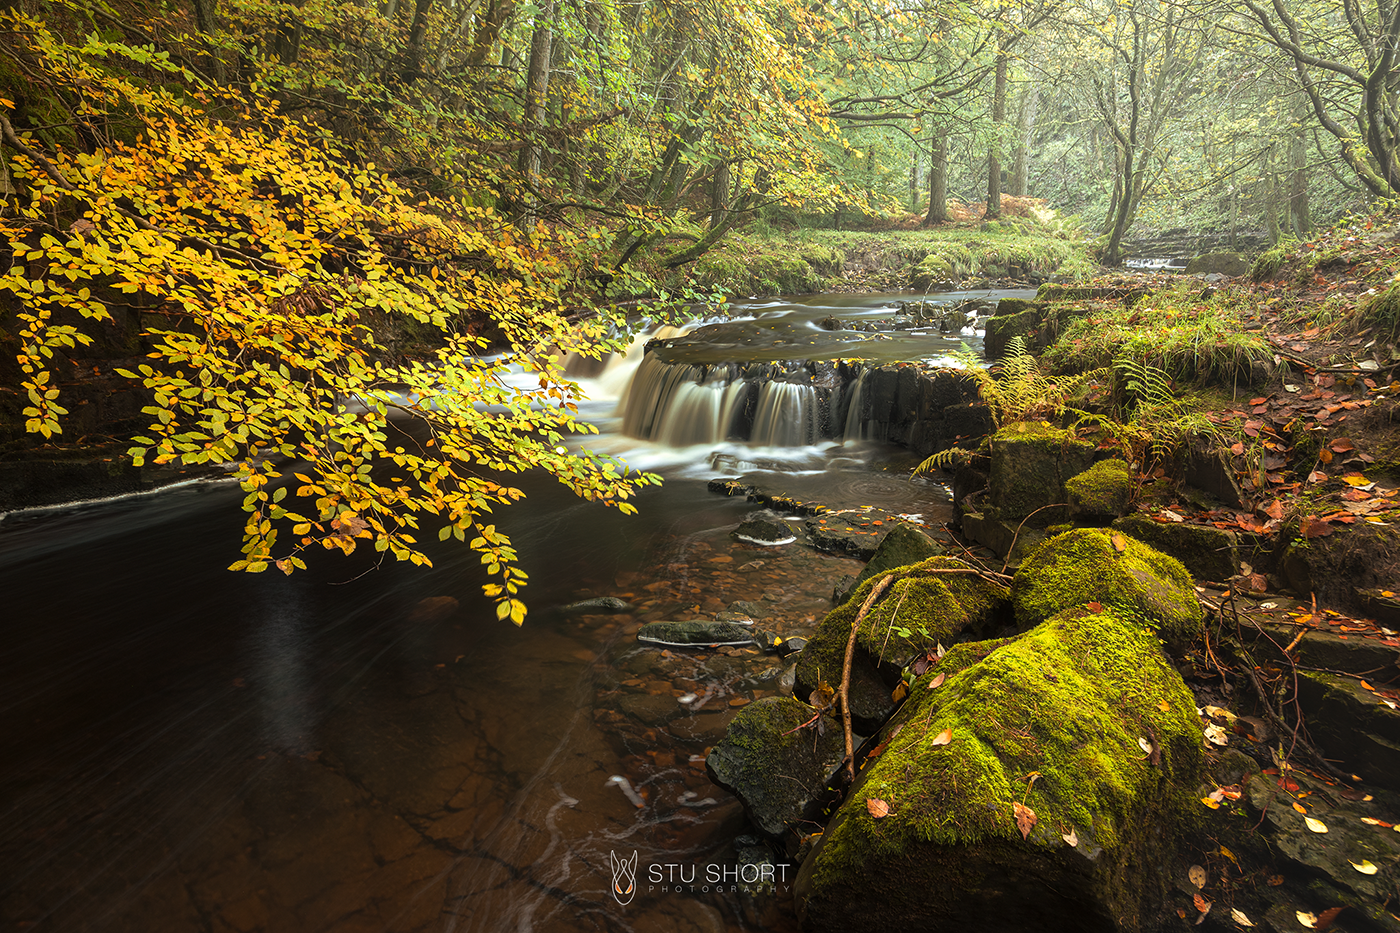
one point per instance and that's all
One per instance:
(875, 593)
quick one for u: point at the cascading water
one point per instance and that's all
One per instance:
(785, 416)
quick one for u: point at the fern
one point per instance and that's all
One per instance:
(943, 460)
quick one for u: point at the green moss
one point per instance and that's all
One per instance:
(1103, 490)
(1070, 702)
(1086, 565)
(1268, 264)
(915, 615)
(1383, 311)
(1030, 463)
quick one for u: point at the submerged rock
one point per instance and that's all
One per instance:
(599, 605)
(1110, 568)
(776, 772)
(696, 633)
(1055, 720)
(915, 615)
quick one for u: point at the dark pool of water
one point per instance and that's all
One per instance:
(360, 747)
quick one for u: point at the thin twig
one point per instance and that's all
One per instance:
(876, 592)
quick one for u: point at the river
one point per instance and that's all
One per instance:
(367, 748)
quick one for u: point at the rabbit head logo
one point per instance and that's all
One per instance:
(624, 878)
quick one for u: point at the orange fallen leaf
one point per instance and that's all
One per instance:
(937, 680)
(943, 738)
(877, 807)
(1314, 527)
(1025, 818)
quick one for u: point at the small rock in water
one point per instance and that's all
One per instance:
(752, 565)
(791, 645)
(599, 604)
(695, 633)
(762, 530)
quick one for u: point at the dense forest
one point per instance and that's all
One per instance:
(271, 202)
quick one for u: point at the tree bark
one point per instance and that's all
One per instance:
(938, 181)
(536, 93)
(1030, 101)
(994, 151)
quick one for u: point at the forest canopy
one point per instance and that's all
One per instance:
(301, 218)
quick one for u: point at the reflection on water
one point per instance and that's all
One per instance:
(190, 749)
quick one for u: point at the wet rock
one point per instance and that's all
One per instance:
(1344, 566)
(597, 605)
(1353, 654)
(1332, 855)
(730, 487)
(1352, 725)
(747, 609)
(1102, 492)
(916, 614)
(774, 771)
(903, 545)
(1030, 463)
(790, 646)
(856, 533)
(1069, 701)
(1089, 565)
(1210, 553)
(759, 528)
(1011, 541)
(696, 633)
(651, 709)
(1210, 470)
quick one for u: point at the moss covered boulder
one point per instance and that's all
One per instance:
(904, 545)
(1210, 553)
(916, 614)
(1088, 565)
(776, 769)
(1030, 463)
(1082, 720)
(1102, 492)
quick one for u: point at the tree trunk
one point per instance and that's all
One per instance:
(938, 181)
(719, 194)
(536, 93)
(1299, 213)
(1030, 101)
(994, 152)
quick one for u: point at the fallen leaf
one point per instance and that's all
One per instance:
(877, 807)
(1025, 818)
(1274, 509)
(1229, 855)
(1216, 735)
(1120, 543)
(1145, 745)
(1306, 919)
(1164, 706)
(943, 738)
(1094, 607)
(1071, 837)
(1341, 445)
(1324, 919)
(1239, 917)
(1365, 866)
(1198, 876)
(899, 692)
(1315, 825)
(1213, 804)
(1314, 527)
(1299, 807)
(1373, 822)
(937, 680)
(1168, 515)
(1203, 906)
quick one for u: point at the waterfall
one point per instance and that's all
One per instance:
(854, 429)
(785, 416)
(680, 404)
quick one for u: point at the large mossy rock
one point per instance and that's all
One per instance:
(904, 545)
(776, 769)
(1030, 463)
(1053, 720)
(1102, 492)
(1087, 565)
(916, 614)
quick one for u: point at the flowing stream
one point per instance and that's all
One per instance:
(362, 748)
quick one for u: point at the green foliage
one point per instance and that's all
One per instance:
(1017, 388)
(1383, 311)
(943, 460)
(279, 270)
